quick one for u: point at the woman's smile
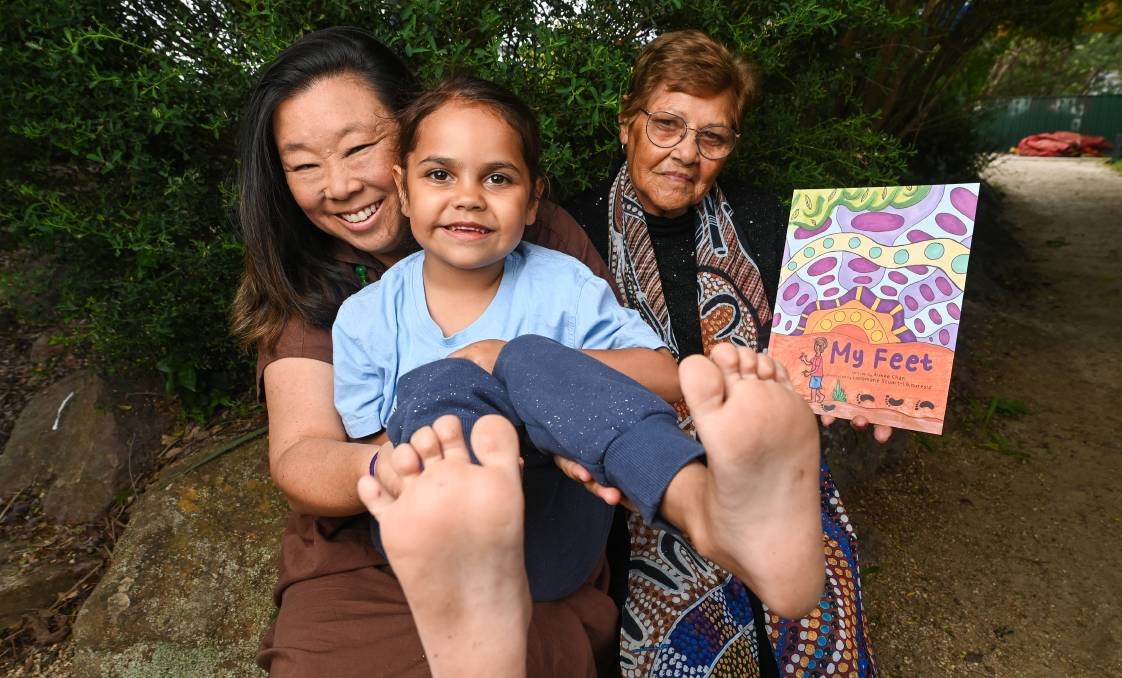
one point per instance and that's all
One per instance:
(677, 177)
(361, 219)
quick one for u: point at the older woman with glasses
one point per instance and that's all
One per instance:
(700, 262)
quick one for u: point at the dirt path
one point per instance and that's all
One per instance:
(997, 548)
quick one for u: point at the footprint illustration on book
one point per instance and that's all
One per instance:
(925, 404)
(893, 402)
(827, 408)
(865, 398)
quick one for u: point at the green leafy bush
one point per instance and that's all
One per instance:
(120, 121)
(126, 127)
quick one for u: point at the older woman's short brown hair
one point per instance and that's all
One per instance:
(690, 62)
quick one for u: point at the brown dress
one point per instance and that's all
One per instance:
(341, 610)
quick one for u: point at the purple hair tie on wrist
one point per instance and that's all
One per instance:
(373, 462)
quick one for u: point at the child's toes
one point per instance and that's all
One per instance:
(374, 498)
(405, 461)
(427, 445)
(765, 367)
(495, 443)
(450, 432)
(748, 359)
(703, 381)
(727, 358)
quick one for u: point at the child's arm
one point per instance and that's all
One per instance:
(655, 369)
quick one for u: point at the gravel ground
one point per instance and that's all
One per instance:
(993, 549)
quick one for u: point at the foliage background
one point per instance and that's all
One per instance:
(119, 120)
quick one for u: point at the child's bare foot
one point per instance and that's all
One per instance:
(761, 507)
(454, 539)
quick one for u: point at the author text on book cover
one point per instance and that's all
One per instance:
(870, 299)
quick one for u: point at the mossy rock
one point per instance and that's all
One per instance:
(189, 590)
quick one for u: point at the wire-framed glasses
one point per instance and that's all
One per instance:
(665, 130)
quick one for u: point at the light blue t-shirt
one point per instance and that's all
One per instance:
(385, 330)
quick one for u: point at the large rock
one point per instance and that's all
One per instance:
(189, 591)
(87, 439)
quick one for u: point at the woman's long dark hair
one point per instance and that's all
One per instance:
(290, 270)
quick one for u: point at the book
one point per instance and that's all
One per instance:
(870, 299)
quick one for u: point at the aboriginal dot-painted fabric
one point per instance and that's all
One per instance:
(684, 615)
(833, 639)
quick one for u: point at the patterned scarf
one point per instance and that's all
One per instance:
(733, 303)
(684, 615)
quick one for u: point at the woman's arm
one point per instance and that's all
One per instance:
(309, 456)
(656, 370)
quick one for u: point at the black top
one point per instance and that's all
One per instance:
(760, 221)
(673, 241)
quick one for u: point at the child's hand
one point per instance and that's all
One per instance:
(609, 495)
(483, 353)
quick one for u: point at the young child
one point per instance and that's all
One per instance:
(469, 182)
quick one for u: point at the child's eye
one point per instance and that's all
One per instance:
(303, 168)
(498, 179)
(438, 175)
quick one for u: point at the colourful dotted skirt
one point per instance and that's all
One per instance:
(687, 617)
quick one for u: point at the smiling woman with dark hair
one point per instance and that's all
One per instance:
(293, 271)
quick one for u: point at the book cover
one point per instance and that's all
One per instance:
(870, 298)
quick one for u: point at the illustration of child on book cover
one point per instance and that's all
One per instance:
(870, 298)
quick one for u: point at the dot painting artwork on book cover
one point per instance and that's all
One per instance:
(870, 299)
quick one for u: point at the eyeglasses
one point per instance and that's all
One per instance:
(667, 130)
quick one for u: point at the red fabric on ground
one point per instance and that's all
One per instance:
(1054, 144)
